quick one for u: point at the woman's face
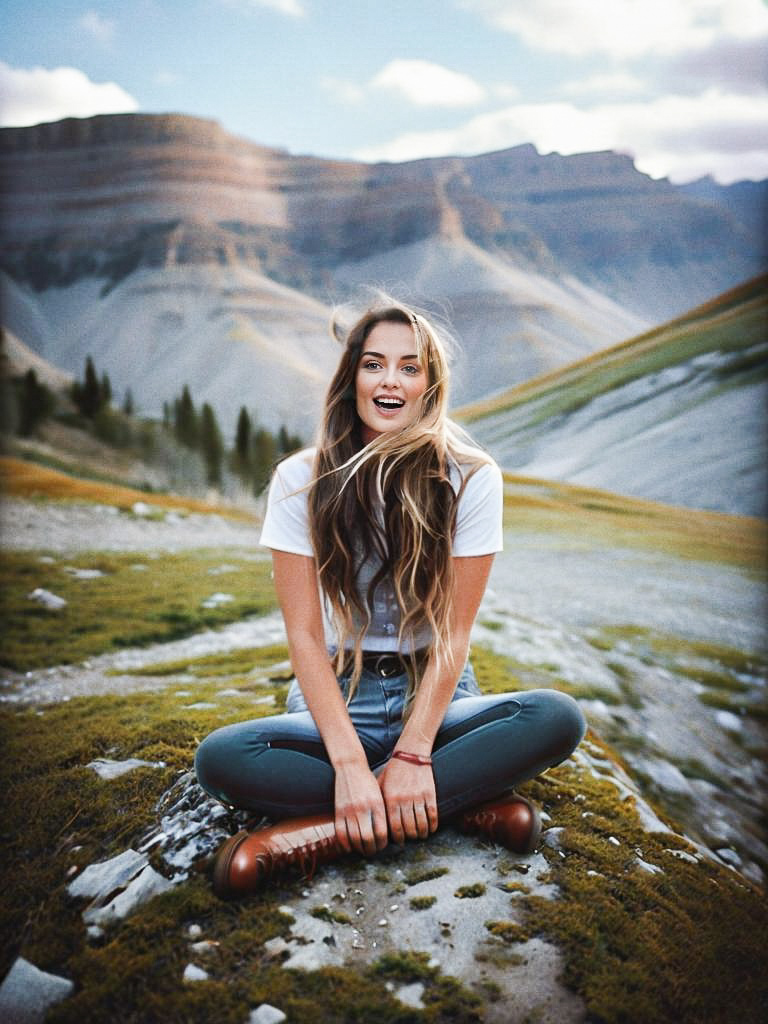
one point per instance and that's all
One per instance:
(390, 380)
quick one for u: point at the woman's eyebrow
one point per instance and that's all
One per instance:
(379, 355)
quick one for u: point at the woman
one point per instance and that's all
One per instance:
(382, 541)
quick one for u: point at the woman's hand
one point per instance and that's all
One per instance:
(361, 821)
(409, 798)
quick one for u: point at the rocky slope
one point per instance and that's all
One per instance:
(203, 250)
(675, 415)
(643, 903)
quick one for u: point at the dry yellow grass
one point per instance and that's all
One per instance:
(30, 480)
(620, 521)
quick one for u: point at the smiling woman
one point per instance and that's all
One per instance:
(389, 382)
(382, 541)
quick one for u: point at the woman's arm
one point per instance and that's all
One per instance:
(408, 789)
(361, 822)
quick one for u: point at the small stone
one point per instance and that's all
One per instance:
(204, 947)
(72, 871)
(146, 885)
(552, 837)
(383, 922)
(266, 1014)
(194, 931)
(614, 840)
(728, 721)
(52, 602)
(104, 877)
(644, 865)
(27, 992)
(105, 768)
(683, 855)
(394, 907)
(94, 933)
(201, 705)
(729, 856)
(141, 509)
(216, 600)
(276, 947)
(411, 995)
(194, 973)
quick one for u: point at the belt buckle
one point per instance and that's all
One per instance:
(380, 667)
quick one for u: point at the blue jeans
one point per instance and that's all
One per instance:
(277, 766)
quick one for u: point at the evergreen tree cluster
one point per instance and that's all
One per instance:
(257, 449)
(251, 460)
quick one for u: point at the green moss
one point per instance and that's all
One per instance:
(640, 946)
(470, 892)
(508, 931)
(122, 608)
(423, 902)
(425, 874)
(331, 916)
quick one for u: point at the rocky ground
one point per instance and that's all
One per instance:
(667, 657)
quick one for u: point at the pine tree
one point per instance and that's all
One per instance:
(242, 453)
(186, 426)
(264, 455)
(87, 396)
(211, 444)
(128, 406)
(106, 389)
(36, 402)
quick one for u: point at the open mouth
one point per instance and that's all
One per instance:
(389, 404)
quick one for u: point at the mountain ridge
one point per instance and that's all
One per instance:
(537, 259)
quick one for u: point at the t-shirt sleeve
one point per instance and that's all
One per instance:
(479, 528)
(286, 522)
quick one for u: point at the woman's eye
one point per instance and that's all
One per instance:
(371, 364)
(413, 370)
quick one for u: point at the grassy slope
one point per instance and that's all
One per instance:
(734, 321)
(615, 520)
(22, 479)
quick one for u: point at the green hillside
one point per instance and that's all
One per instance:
(733, 322)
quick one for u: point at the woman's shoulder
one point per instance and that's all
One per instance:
(474, 466)
(295, 470)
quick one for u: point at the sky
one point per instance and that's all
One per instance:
(680, 85)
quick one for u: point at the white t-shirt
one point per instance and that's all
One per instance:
(478, 532)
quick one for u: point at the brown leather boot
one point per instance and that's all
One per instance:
(510, 820)
(248, 860)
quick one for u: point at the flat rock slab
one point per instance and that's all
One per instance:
(27, 993)
(352, 914)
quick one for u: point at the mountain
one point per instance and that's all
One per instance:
(174, 253)
(675, 415)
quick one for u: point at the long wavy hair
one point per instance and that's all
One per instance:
(390, 501)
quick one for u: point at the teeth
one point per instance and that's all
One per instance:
(393, 403)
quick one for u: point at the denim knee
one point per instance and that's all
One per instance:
(215, 760)
(565, 718)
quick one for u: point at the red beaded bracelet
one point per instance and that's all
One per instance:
(403, 755)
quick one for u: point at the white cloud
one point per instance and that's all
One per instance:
(96, 25)
(613, 83)
(33, 95)
(342, 90)
(290, 7)
(680, 136)
(426, 84)
(623, 28)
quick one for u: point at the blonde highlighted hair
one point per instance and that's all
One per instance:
(391, 500)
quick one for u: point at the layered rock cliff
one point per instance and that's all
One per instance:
(538, 260)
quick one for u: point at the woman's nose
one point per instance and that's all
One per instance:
(390, 376)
